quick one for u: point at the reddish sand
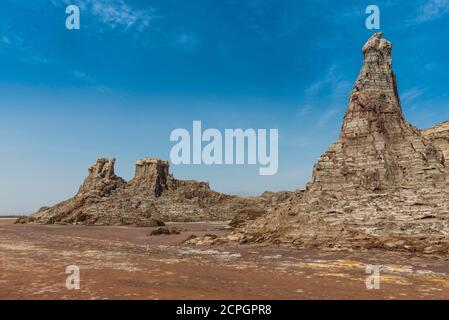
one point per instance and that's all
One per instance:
(126, 263)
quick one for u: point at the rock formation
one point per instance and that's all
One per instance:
(382, 184)
(153, 195)
(102, 199)
(152, 176)
(439, 135)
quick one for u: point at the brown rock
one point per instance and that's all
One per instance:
(152, 176)
(164, 230)
(153, 195)
(190, 240)
(375, 185)
(159, 231)
(24, 219)
(206, 240)
(439, 135)
(245, 215)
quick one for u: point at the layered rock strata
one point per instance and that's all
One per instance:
(439, 135)
(153, 195)
(382, 184)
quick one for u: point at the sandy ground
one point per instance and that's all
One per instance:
(126, 263)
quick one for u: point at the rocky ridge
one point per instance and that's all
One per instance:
(153, 195)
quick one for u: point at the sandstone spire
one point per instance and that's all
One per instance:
(381, 184)
(377, 148)
(374, 103)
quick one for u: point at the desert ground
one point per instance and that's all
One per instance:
(127, 263)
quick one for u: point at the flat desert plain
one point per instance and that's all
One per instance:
(127, 263)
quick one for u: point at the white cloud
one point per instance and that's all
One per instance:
(91, 81)
(35, 59)
(186, 41)
(433, 9)
(11, 40)
(329, 94)
(328, 115)
(83, 76)
(115, 14)
(410, 95)
(5, 40)
(304, 110)
(22, 51)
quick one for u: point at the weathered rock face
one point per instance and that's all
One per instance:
(153, 195)
(102, 199)
(101, 180)
(439, 135)
(382, 184)
(377, 149)
(152, 176)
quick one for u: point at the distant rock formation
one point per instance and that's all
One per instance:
(101, 180)
(383, 184)
(439, 135)
(153, 195)
(152, 176)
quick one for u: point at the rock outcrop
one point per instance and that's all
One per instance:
(153, 195)
(101, 180)
(439, 135)
(102, 199)
(382, 184)
(152, 176)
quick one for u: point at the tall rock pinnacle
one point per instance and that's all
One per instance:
(377, 148)
(374, 101)
(382, 184)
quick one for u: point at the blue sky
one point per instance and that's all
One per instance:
(136, 70)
